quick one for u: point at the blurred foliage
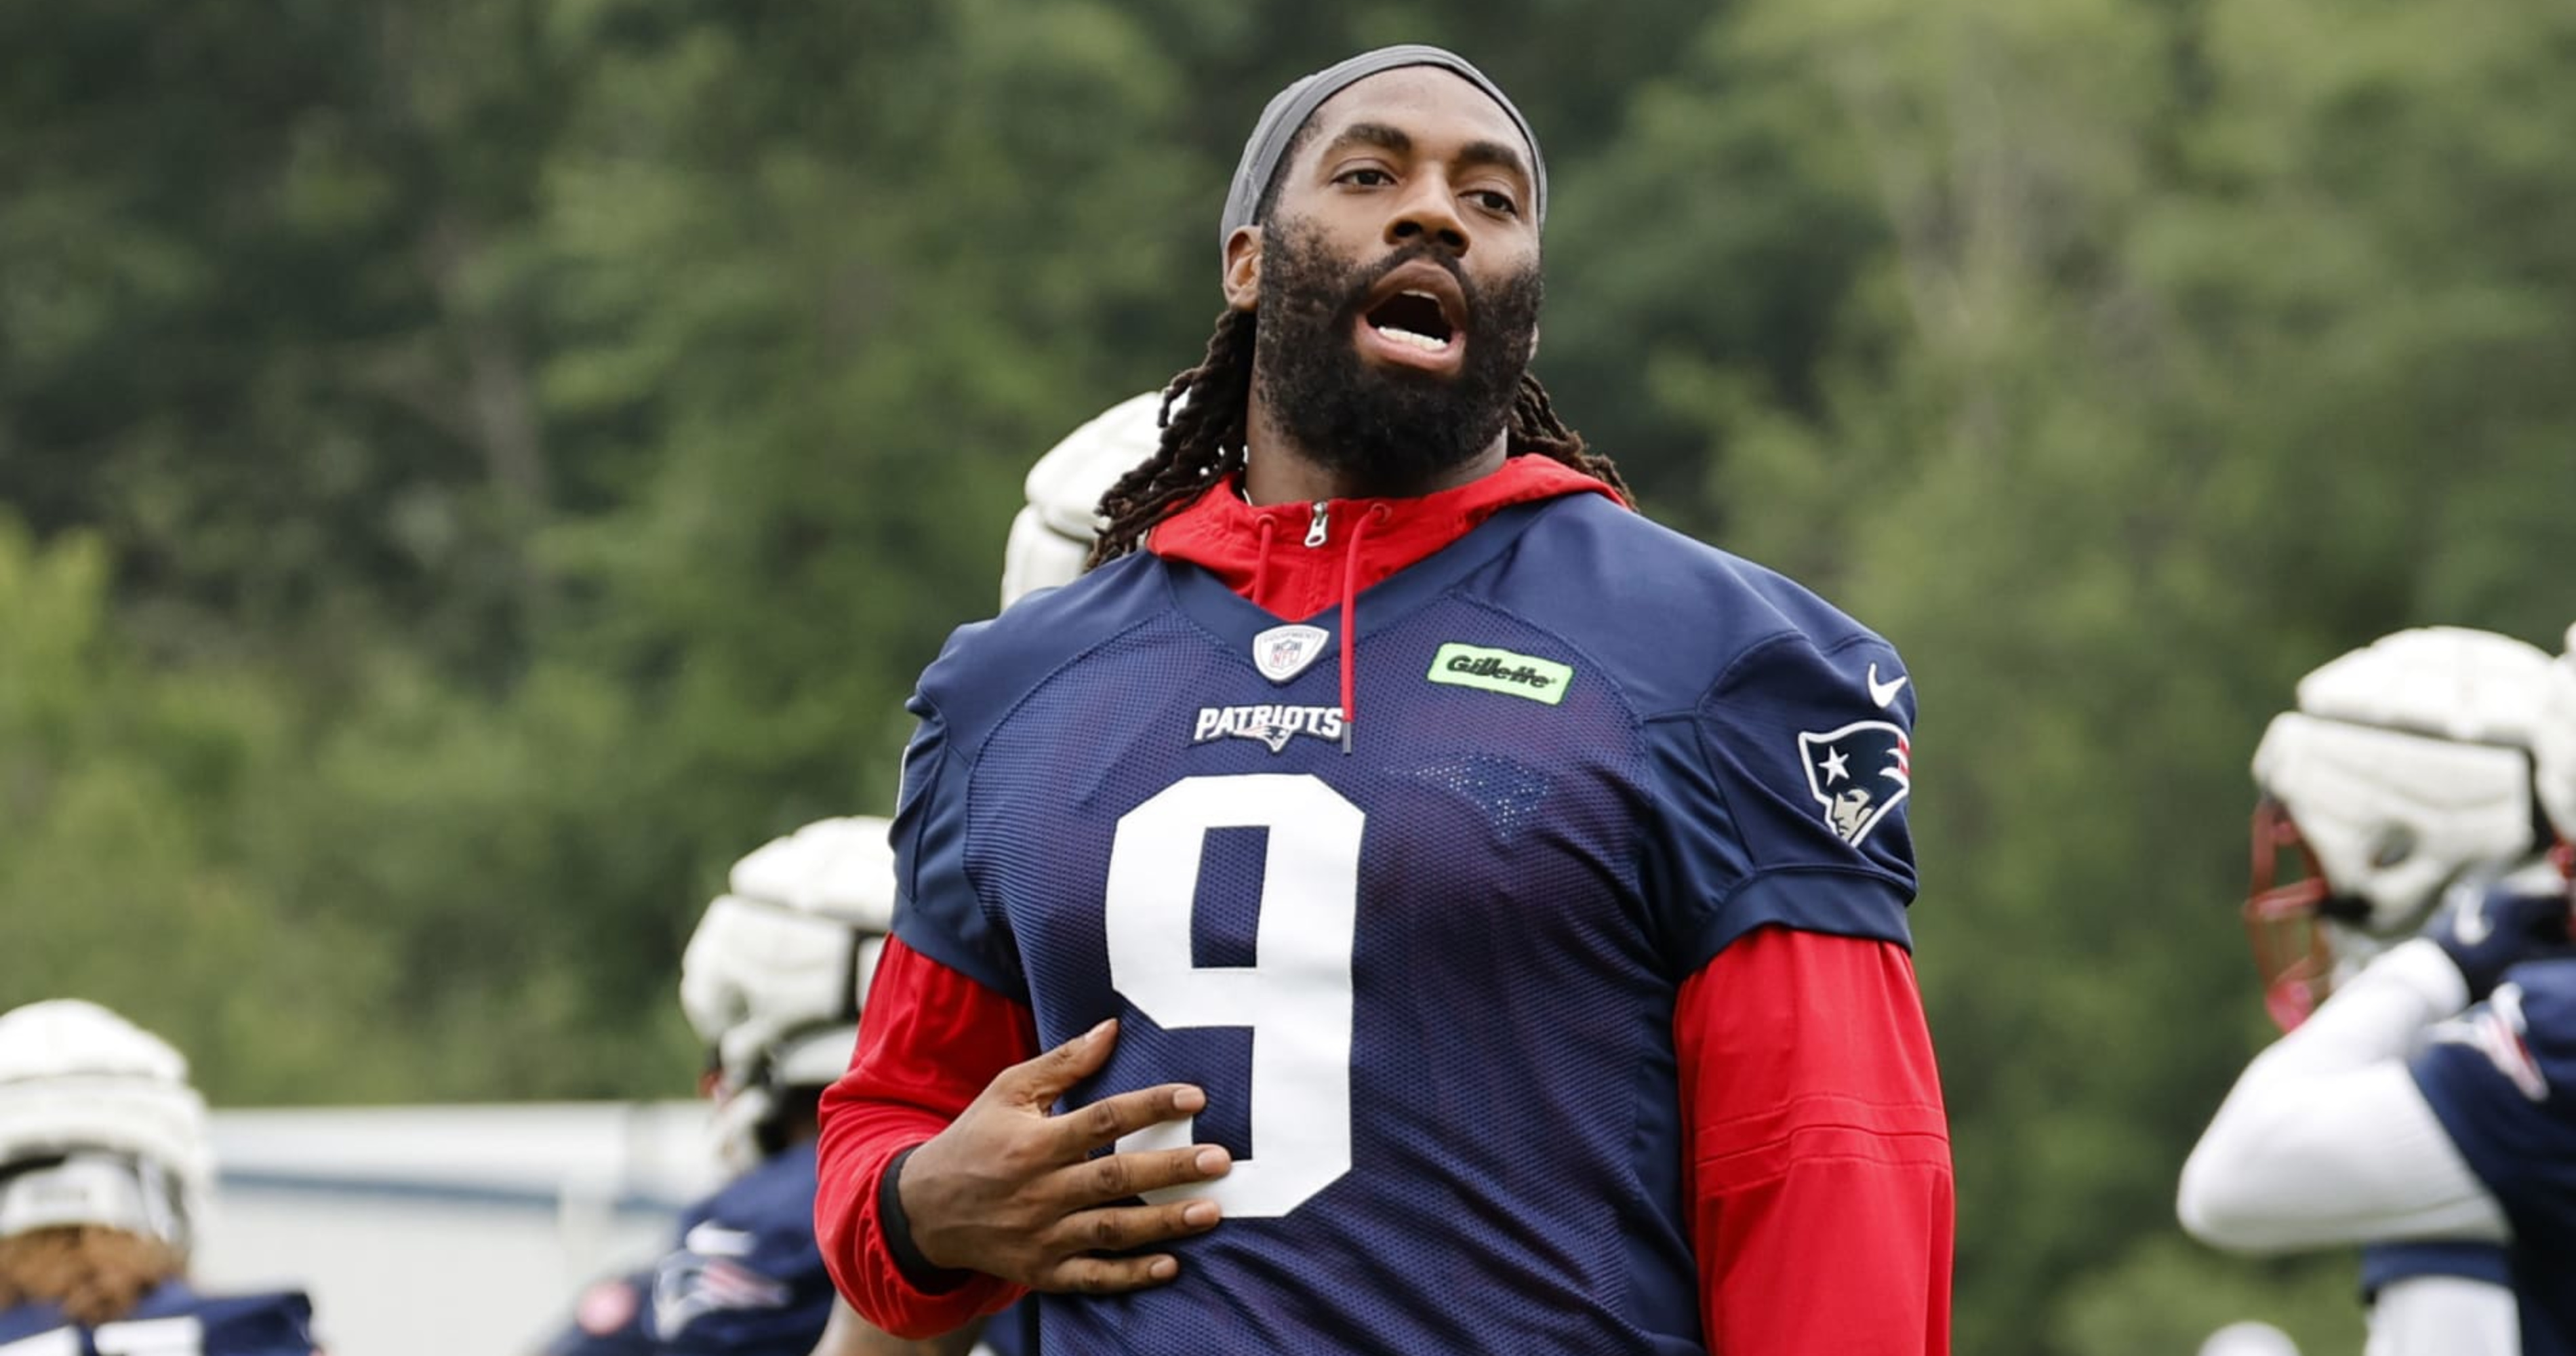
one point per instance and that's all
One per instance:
(468, 471)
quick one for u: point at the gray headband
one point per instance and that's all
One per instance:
(1290, 108)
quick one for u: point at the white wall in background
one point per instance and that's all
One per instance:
(447, 1230)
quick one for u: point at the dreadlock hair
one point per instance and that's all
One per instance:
(1203, 442)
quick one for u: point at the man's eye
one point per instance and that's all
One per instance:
(1365, 177)
(1493, 201)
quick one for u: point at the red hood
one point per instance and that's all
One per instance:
(1287, 578)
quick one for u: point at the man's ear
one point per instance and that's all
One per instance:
(1243, 268)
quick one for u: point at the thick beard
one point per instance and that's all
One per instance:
(1383, 432)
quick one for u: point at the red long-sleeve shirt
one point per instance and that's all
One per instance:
(1819, 1177)
(1816, 1170)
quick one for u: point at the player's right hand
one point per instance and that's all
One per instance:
(2487, 929)
(1013, 1191)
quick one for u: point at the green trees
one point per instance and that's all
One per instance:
(469, 471)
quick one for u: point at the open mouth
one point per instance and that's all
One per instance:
(1414, 319)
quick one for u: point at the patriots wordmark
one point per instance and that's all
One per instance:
(1858, 774)
(1272, 725)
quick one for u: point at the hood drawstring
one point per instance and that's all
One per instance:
(1350, 610)
(1261, 559)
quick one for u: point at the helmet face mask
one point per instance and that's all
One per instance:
(96, 1189)
(2306, 938)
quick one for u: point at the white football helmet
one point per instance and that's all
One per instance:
(2249, 1339)
(98, 1126)
(1053, 534)
(774, 976)
(2406, 766)
(2553, 742)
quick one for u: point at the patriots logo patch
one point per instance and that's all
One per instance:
(1859, 774)
(2498, 1030)
(688, 1286)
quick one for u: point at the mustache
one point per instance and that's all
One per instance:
(1367, 277)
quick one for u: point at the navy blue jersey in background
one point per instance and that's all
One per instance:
(174, 1320)
(2502, 1080)
(2385, 1264)
(746, 1277)
(746, 1280)
(1428, 984)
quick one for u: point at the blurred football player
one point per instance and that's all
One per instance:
(104, 1178)
(1055, 532)
(2404, 771)
(2392, 1114)
(1048, 542)
(1569, 992)
(772, 980)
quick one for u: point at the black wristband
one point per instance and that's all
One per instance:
(917, 1269)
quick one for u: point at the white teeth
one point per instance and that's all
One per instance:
(1421, 341)
(1418, 292)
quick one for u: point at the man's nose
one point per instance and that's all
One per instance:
(1428, 211)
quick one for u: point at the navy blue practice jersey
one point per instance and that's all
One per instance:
(745, 1278)
(1428, 981)
(2501, 1078)
(174, 1320)
(2385, 1264)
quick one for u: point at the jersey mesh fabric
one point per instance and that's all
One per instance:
(1502, 1159)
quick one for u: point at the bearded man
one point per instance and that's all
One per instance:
(1563, 1005)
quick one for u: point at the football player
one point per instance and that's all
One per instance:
(104, 1178)
(2391, 1113)
(1570, 988)
(2404, 770)
(772, 980)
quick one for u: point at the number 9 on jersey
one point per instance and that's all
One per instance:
(1296, 999)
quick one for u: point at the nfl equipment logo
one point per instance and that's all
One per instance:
(1283, 652)
(1859, 774)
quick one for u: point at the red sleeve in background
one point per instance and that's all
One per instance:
(930, 1041)
(1818, 1160)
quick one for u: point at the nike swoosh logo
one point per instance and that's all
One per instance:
(1884, 693)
